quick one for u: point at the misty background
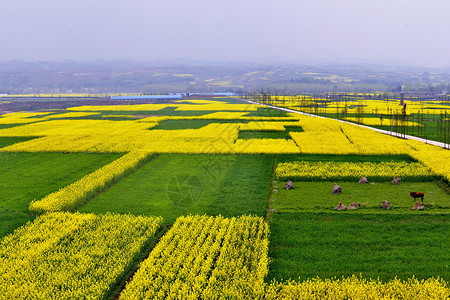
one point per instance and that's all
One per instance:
(399, 32)
(285, 46)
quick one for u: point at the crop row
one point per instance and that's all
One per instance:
(72, 256)
(71, 196)
(358, 288)
(352, 171)
(205, 257)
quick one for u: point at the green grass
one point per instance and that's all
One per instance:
(384, 246)
(171, 111)
(316, 196)
(6, 141)
(28, 176)
(173, 185)
(10, 220)
(263, 135)
(3, 126)
(269, 134)
(191, 124)
(267, 112)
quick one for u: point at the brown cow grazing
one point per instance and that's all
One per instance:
(417, 195)
(289, 185)
(386, 204)
(354, 205)
(336, 189)
(418, 206)
(363, 180)
(340, 206)
(396, 180)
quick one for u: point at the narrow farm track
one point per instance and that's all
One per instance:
(115, 295)
(271, 188)
(391, 133)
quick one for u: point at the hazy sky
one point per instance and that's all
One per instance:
(403, 31)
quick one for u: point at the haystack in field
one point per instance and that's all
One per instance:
(418, 206)
(363, 180)
(336, 189)
(386, 204)
(289, 185)
(396, 180)
(340, 206)
(354, 205)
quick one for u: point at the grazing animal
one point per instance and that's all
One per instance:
(419, 205)
(363, 180)
(340, 206)
(396, 180)
(354, 205)
(417, 195)
(289, 185)
(336, 189)
(386, 204)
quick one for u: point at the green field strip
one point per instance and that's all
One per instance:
(11, 220)
(6, 141)
(29, 176)
(267, 112)
(254, 134)
(191, 124)
(326, 245)
(3, 126)
(316, 196)
(174, 185)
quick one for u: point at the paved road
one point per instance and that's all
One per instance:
(408, 137)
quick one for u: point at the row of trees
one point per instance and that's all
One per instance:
(435, 126)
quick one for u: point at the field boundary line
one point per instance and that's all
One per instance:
(115, 295)
(271, 187)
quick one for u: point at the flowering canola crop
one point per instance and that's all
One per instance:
(71, 256)
(203, 257)
(319, 136)
(358, 289)
(329, 171)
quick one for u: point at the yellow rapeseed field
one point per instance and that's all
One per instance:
(205, 257)
(71, 256)
(308, 171)
(359, 289)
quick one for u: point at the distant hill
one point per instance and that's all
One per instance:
(195, 76)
